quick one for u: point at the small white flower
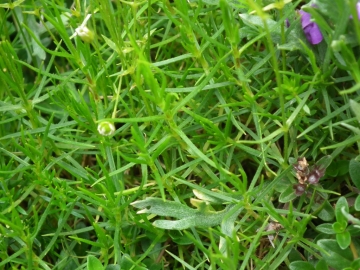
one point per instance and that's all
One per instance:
(106, 128)
(83, 32)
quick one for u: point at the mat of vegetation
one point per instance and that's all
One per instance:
(199, 134)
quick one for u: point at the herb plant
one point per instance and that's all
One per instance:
(179, 134)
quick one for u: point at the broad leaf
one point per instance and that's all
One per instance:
(343, 239)
(93, 263)
(334, 256)
(300, 265)
(325, 228)
(321, 265)
(327, 211)
(187, 216)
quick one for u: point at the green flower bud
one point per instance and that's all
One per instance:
(106, 128)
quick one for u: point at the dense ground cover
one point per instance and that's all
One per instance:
(179, 134)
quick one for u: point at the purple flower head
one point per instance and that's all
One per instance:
(315, 175)
(311, 29)
(299, 189)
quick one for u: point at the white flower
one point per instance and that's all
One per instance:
(83, 32)
(106, 128)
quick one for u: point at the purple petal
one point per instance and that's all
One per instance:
(357, 10)
(311, 29)
(305, 18)
(313, 33)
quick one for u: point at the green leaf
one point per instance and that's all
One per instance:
(342, 202)
(335, 256)
(325, 228)
(321, 265)
(256, 22)
(357, 203)
(355, 107)
(356, 264)
(113, 267)
(300, 265)
(179, 238)
(327, 212)
(339, 227)
(187, 216)
(350, 218)
(287, 195)
(126, 262)
(93, 263)
(343, 239)
(354, 170)
(206, 197)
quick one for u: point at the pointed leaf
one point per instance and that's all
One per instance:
(324, 162)
(287, 195)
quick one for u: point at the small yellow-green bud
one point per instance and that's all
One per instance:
(106, 128)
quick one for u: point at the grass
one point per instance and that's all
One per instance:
(211, 102)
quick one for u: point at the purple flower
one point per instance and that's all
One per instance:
(315, 175)
(311, 29)
(299, 189)
(357, 10)
(287, 23)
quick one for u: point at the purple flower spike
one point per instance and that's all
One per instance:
(311, 29)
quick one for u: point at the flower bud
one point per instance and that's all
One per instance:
(106, 128)
(85, 33)
(311, 29)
